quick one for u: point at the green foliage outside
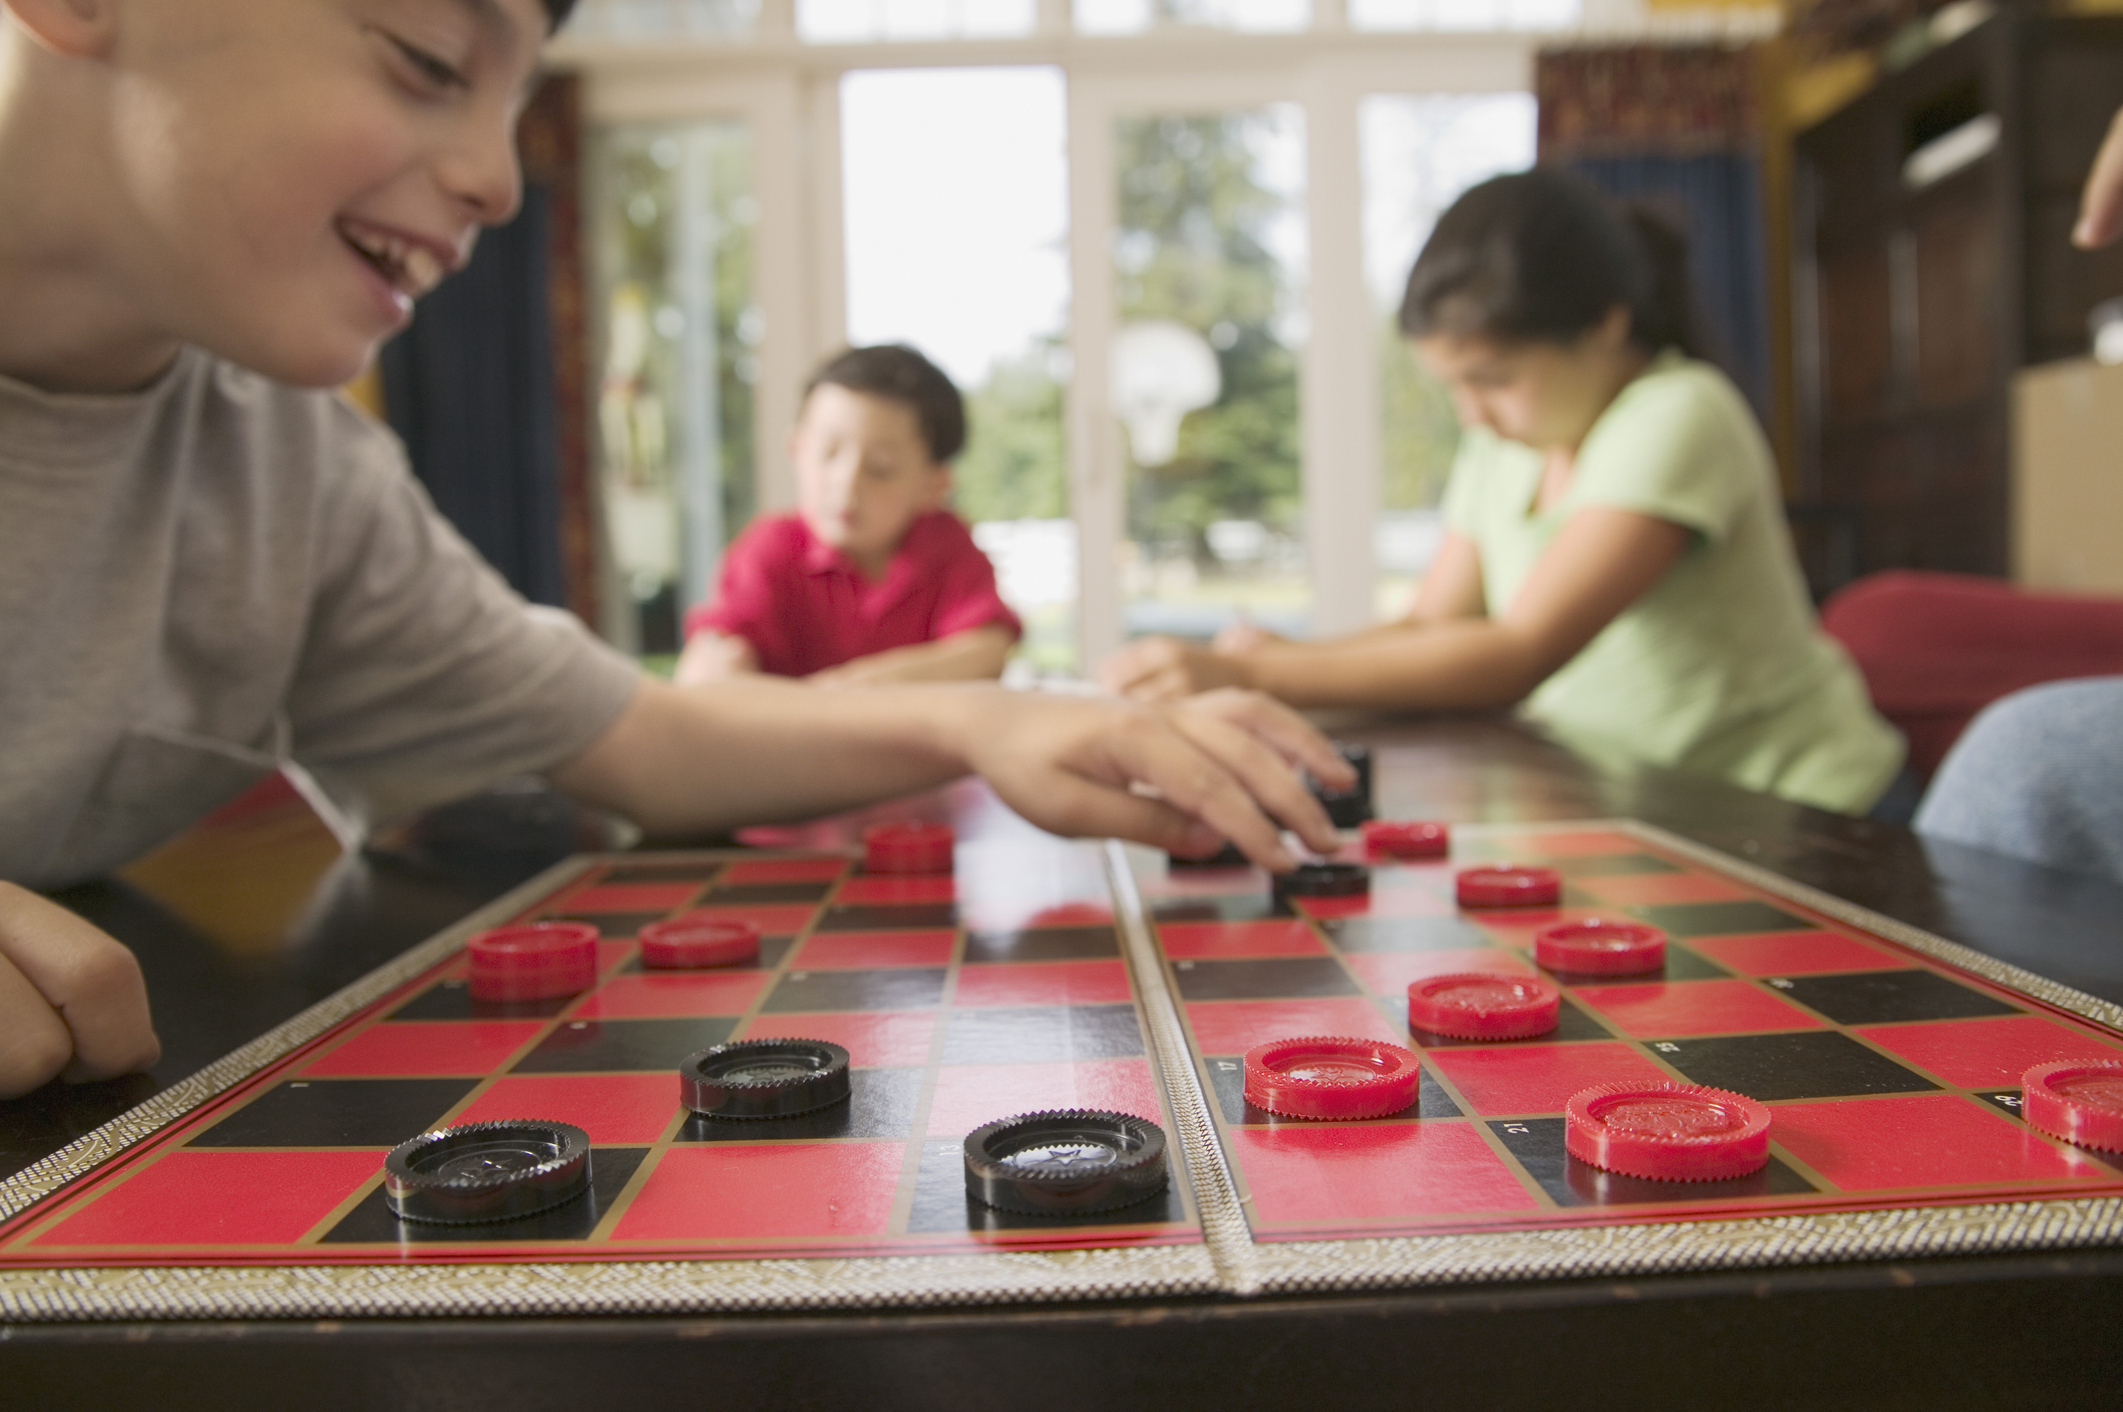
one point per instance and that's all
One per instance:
(1013, 467)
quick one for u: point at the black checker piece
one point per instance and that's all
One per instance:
(881, 1104)
(1681, 965)
(612, 926)
(1723, 918)
(941, 1203)
(1769, 1067)
(1044, 944)
(623, 1046)
(898, 988)
(610, 1170)
(338, 1113)
(880, 917)
(1612, 865)
(1538, 1145)
(1250, 907)
(1227, 1083)
(1572, 1024)
(661, 873)
(1403, 934)
(772, 951)
(452, 1000)
(762, 894)
(1268, 979)
(1043, 1034)
(1879, 997)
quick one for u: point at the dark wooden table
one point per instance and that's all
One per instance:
(1992, 1332)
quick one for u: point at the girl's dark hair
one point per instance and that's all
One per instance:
(900, 374)
(1542, 255)
(557, 11)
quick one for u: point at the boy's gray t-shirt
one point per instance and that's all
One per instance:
(219, 572)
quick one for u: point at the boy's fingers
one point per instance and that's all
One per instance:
(1196, 783)
(1073, 805)
(92, 982)
(1282, 728)
(1265, 774)
(34, 1042)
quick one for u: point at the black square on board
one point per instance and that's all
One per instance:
(1880, 997)
(338, 1113)
(1403, 933)
(660, 873)
(623, 1046)
(765, 894)
(1537, 1143)
(1044, 944)
(1572, 1023)
(1274, 978)
(1769, 1067)
(888, 917)
(1042, 1034)
(451, 999)
(881, 1104)
(1723, 918)
(1612, 865)
(896, 988)
(612, 926)
(610, 1169)
(941, 1203)
(1227, 1085)
(1246, 907)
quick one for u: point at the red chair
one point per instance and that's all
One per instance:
(1937, 648)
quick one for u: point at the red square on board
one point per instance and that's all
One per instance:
(844, 951)
(969, 1096)
(1589, 844)
(1795, 953)
(631, 897)
(427, 1047)
(1334, 1173)
(774, 870)
(1515, 926)
(219, 1198)
(939, 888)
(1537, 1078)
(611, 1108)
(772, 918)
(1235, 1026)
(1991, 1053)
(1380, 902)
(1649, 889)
(1668, 1009)
(1390, 973)
(1929, 1140)
(1276, 936)
(776, 1190)
(672, 994)
(879, 1039)
(1043, 983)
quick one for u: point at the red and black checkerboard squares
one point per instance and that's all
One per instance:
(817, 1192)
(1042, 1034)
(1537, 1145)
(451, 999)
(893, 988)
(1669, 1009)
(882, 916)
(941, 1205)
(1613, 865)
(1226, 1074)
(1242, 907)
(1770, 1068)
(1088, 943)
(1323, 1178)
(1361, 934)
(1925, 1141)
(881, 1104)
(1987, 1053)
(183, 1198)
(373, 1113)
(621, 1046)
(1883, 997)
(758, 894)
(626, 874)
(1294, 977)
(1573, 1026)
(1692, 919)
(611, 1168)
(874, 1039)
(611, 926)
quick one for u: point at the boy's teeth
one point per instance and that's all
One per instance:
(419, 270)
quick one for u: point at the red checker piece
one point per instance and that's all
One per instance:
(907, 848)
(535, 961)
(1600, 947)
(1484, 1005)
(694, 941)
(2078, 1100)
(1404, 838)
(1331, 1077)
(1510, 887)
(1667, 1132)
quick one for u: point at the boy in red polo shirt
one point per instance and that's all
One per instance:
(872, 579)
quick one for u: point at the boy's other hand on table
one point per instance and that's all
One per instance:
(72, 1001)
(712, 657)
(1166, 669)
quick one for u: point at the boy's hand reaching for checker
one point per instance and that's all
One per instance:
(72, 1003)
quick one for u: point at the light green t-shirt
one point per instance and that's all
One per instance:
(1720, 668)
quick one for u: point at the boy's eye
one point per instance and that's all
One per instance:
(432, 70)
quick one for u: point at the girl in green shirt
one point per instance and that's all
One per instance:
(1616, 562)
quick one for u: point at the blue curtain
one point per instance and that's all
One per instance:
(1716, 199)
(469, 389)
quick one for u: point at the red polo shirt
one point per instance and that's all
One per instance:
(805, 607)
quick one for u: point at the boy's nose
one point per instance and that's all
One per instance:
(479, 170)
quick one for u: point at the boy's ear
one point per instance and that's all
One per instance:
(76, 29)
(938, 492)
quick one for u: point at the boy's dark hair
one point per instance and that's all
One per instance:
(1542, 255)
(557, 11)
(897, 373)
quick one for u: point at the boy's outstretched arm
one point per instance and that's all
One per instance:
(751, 751)
(72, 1003)
(977, 654)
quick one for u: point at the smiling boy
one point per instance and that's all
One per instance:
(872, 579)
(208, 567)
